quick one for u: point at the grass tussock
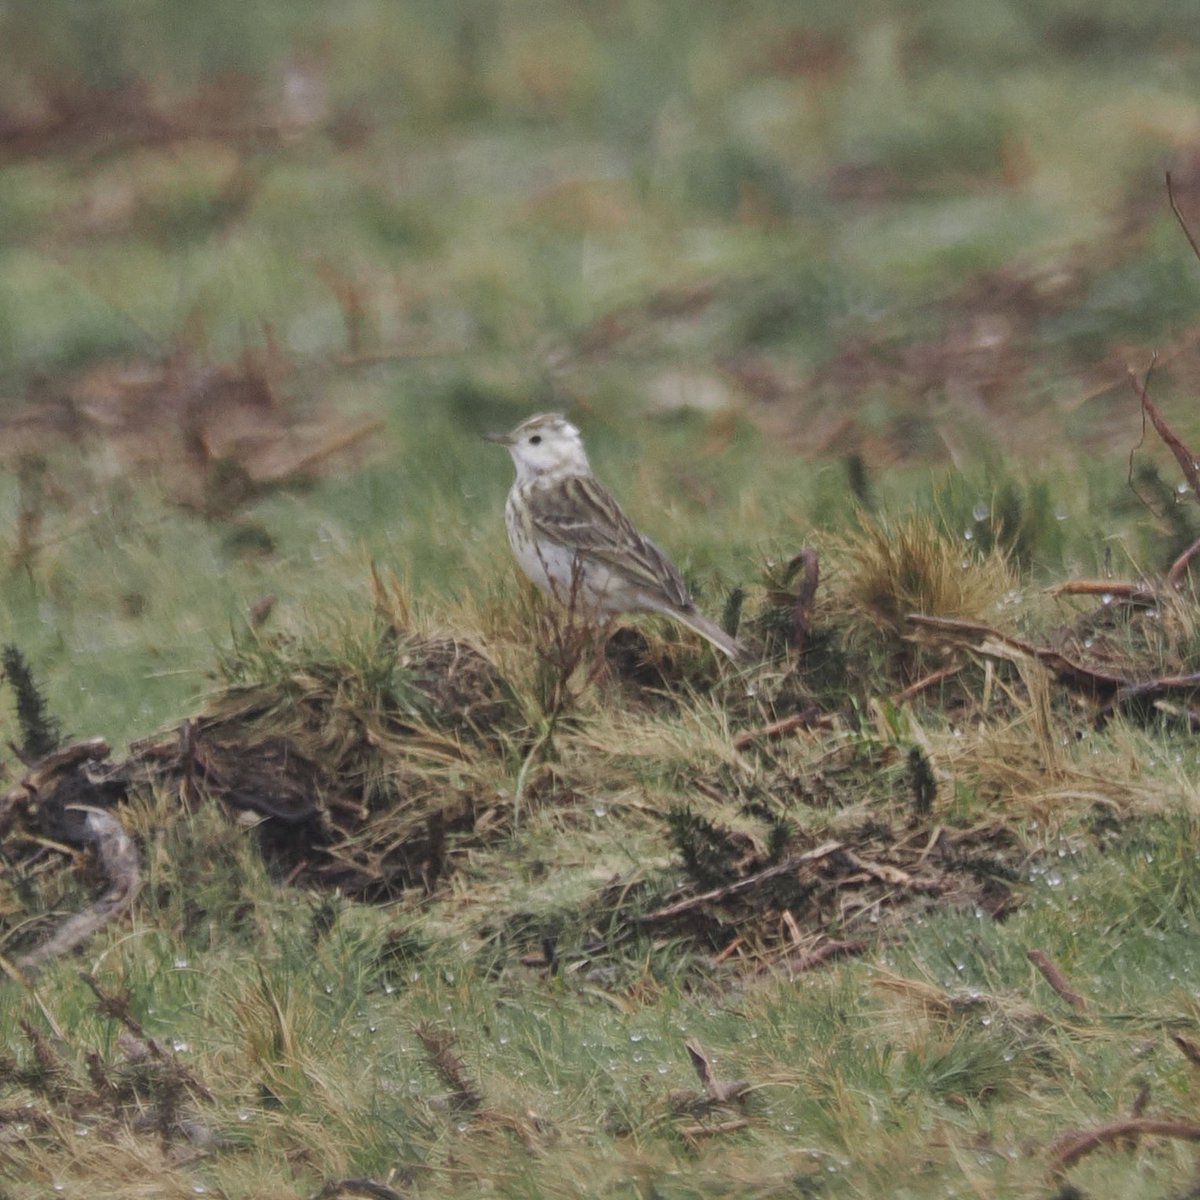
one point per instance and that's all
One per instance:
(912, 565)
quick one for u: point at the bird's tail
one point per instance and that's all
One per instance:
(711, 632)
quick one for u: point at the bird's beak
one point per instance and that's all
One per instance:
(501, 439)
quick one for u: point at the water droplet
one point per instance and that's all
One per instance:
(980, 511)
(599, 810)
(181, 963)
(1107, 598)
(179, 1045)
(636, 1036)
(969, 534)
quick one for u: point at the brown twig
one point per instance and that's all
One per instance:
(1183, 456)
(740, 885)
(1134, 593)
(1187, 1048)
(1073, 674)
(931, 680)
(1056, 979)
(776, 729)
(357, 1187)
(694, 1132)
(1187, 233)
(800, 963)
(807, 560)
(1180, 564)
(1071, 1147)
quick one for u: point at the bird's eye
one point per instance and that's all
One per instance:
(536, 439)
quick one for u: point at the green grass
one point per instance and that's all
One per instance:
(911, 257)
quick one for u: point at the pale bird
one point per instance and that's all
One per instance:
(572, 539)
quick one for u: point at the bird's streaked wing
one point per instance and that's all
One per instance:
(581, 514)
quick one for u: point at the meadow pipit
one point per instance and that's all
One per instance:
(572, 539)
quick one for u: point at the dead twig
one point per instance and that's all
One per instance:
(799, 963)
(1115, 690)
(807, 561)
(1133, 593)
(931, 680)
(1056, 979)
(796, 863)
(1183, 456)
(1179, 566)
(1187, 1048)
(695, 1132)
(357, 1187)
(775, 729)
(1187, 233)
(1071, 1147)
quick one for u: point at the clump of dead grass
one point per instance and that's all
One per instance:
(911, 565)
(364, 750)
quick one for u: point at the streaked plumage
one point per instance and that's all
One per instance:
(572, 539)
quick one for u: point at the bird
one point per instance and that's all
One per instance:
(571, 537)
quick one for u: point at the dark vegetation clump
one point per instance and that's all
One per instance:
(362, 762)
(40, 732)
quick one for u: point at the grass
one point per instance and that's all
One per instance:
(867, 286)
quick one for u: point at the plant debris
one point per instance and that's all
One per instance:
(217, 435)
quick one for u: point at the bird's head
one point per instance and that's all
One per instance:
(547, 444)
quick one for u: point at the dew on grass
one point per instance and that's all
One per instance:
(179, 1046)
(980, 511)
(181, 963)
(600, 810)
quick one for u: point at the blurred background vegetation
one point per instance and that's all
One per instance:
(267, 269)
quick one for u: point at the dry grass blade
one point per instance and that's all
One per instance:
(720, 1091)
